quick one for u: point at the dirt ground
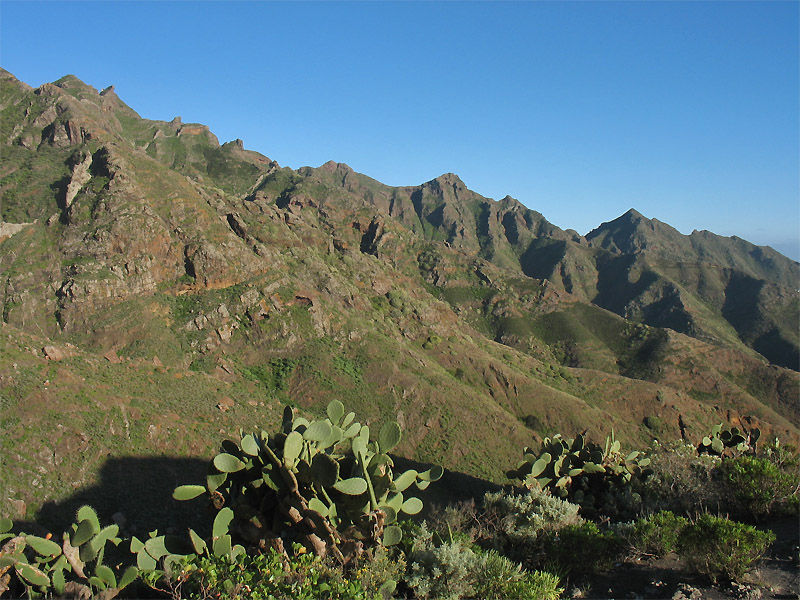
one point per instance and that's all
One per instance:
(776, 577)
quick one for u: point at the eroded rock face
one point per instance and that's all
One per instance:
(80, 176)
(9, 229)
(63, 134)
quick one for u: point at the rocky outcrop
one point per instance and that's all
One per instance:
(79, 177)
(9, 229)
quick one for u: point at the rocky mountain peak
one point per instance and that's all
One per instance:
(336, 167)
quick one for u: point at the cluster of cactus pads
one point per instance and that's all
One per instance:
(578, 470)
(160, 554)
(73, 567)
(322, 484)
(721, 439)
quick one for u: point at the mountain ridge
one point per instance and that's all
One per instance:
(157, 258)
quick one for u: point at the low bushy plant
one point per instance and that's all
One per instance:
(526, 515)
(583, 548)
(682, 481)
(443, 570)
(515, 523)
(499, 578)
(749, 487)
(451, 567)
(722, 549)
(269, 575)
(758, 487)
(379, 575)
(658, 534)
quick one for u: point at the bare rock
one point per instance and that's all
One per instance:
(80, 177)
(9, 229)
(111, 356)
(52, 353)
(17, 508)
(225, 404)
(687, 592)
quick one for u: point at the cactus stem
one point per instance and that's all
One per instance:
(373, 502)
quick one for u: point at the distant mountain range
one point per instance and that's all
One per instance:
(160, 290)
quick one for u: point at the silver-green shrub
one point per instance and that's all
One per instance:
(516, 522)
(526, 515)
(444, 570)
(454, 568)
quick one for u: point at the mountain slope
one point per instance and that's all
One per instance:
(160, 290)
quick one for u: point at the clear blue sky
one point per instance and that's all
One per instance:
(686, 111)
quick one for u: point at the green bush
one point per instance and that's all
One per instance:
(654, 424)
(499, 578)
(657, 534)
(269, 575)
(379, 575)
(584, 548)
(682, 481)
(758, 487)
(748, 487)
(523, 517)
(454, 568)
(444, 570)
(719, 548)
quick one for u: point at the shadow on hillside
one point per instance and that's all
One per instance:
(452, 488)
(140, 489)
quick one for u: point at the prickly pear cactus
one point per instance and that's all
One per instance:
(74, 567)
(580, 471)
(321, 483)
(163, 554)
(720, 440)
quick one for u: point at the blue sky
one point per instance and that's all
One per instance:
(686, 111)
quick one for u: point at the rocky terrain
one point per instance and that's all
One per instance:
(160, 291)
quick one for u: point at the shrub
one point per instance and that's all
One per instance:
(758, 486)
(454, 568)
(719, 548)
(527, 515)
(515, 524)
(785, 456)
(682, 481)
(654, 424)
(583, 548)
(499, 578)
(657, 534)
(380, 574)
(460, 518)
(269, 575)
(445, 570)
(745, 486)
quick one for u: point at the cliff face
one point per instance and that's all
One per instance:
(144, 253)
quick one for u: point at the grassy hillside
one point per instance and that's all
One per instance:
(169, 290)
